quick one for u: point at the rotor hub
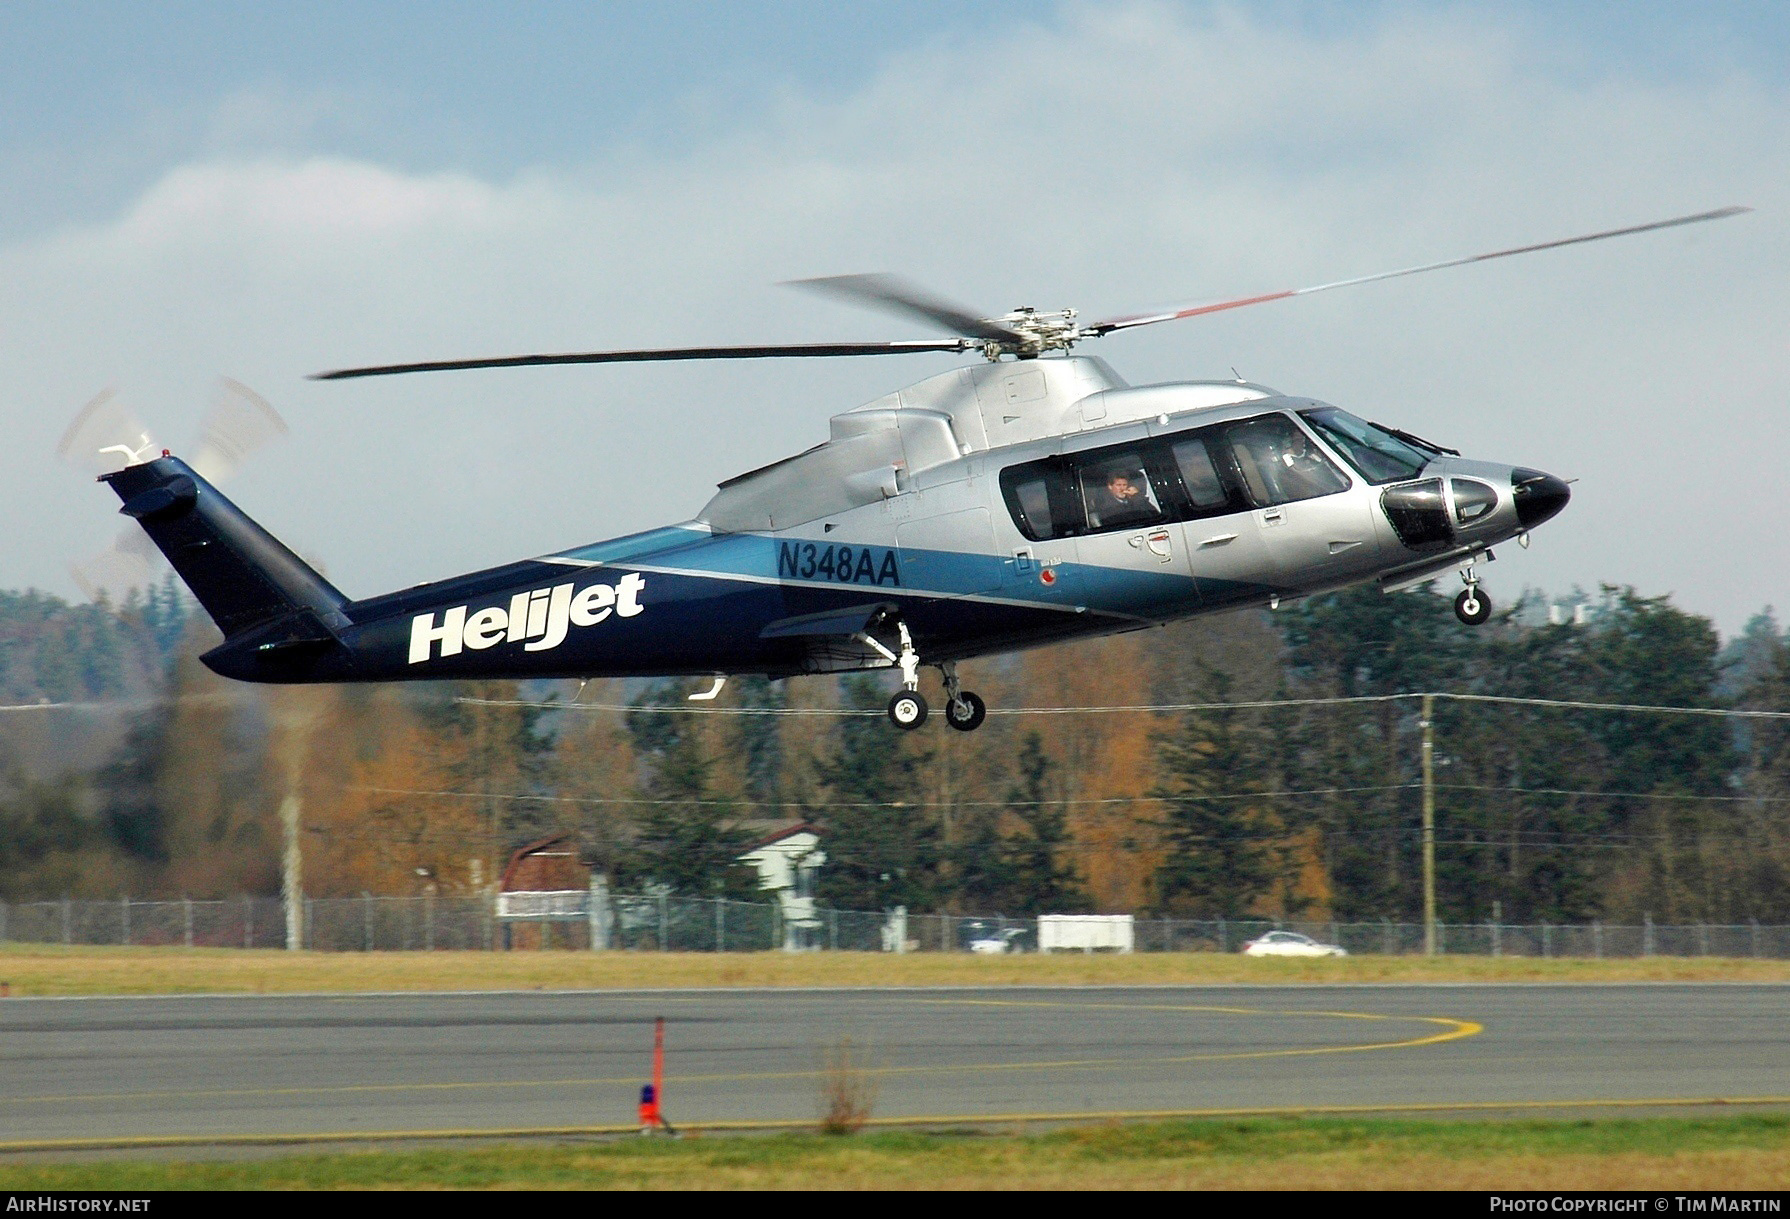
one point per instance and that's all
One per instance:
(1034, 332)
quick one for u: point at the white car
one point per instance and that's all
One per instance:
(991, 942)
(1291, 944)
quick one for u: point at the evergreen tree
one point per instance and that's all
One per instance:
(1220, 841)
(1645, 650)
(130, 802)
(882, 841)
(1012, 858)
(686, 836)
(1663, 768)
(1749, 658)
(1513, 829)
(1044, 882)
(759, 744)
(1362, 643)
(166, 611)
(42, 836)
(1765, 828)
(51, 651)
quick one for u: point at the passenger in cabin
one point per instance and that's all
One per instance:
(1123, 499)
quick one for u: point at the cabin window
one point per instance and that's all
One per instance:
(1116, 490)
(1199, 474)
(1378, 455)
(1279, 463)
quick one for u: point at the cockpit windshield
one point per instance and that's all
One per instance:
(1380, 456)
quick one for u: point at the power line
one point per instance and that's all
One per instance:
(1531, 840)
(1066, 801)
(1604, 795)
(797, 805)
(91, 705)
(856, 712)
(1156, 708)
(1574, 705)
(870, 712)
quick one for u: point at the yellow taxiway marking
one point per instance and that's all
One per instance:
(300, 1138)
(1451, 1030)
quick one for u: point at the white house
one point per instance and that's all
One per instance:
(788, 864)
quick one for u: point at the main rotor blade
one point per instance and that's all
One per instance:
(894, 295)
(660, 353)
(1146, 319)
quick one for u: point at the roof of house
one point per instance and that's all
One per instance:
(536, 848)
(788, 831)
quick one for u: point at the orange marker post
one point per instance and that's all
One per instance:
(650, 1094)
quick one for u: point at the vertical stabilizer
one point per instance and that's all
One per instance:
(265, 599)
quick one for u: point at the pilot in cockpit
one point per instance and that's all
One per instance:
(1302, 472)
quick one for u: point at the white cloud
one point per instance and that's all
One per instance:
(1129, 157)
(315, 203)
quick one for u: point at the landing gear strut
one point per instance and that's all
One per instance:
(907, 710)
(1472, 606)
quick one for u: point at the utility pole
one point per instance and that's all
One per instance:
(296, 712)
(1429, 826)
(292, 878)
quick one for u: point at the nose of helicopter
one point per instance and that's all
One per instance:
(1539, 497)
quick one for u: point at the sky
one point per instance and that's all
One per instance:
(195, 190)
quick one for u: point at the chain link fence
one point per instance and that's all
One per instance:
(663, 922)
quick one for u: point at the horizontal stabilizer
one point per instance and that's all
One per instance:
(844, 622)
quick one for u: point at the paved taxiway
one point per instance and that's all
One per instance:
(224, 1068)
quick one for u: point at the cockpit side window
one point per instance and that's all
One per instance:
(1378, 455)
(1279, 463)
(1041, 496)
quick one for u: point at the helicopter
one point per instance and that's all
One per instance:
(1028, 498)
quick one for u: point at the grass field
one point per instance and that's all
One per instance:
(38, 969)
(1723, 1153)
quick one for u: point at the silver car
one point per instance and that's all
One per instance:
(1290, 944)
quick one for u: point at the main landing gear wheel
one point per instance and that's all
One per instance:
(1472, 606)
(965, 712)
(907, 710)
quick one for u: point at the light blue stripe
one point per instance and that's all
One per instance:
(637, 545)
(947, 574)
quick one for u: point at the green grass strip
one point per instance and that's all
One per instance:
(1728, 1152)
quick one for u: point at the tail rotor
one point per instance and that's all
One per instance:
(107, 436)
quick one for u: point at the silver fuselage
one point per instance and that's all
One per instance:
(926, 474)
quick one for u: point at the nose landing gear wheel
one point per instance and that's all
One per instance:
(1472, 607)
(965, 712)
(907, 710)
